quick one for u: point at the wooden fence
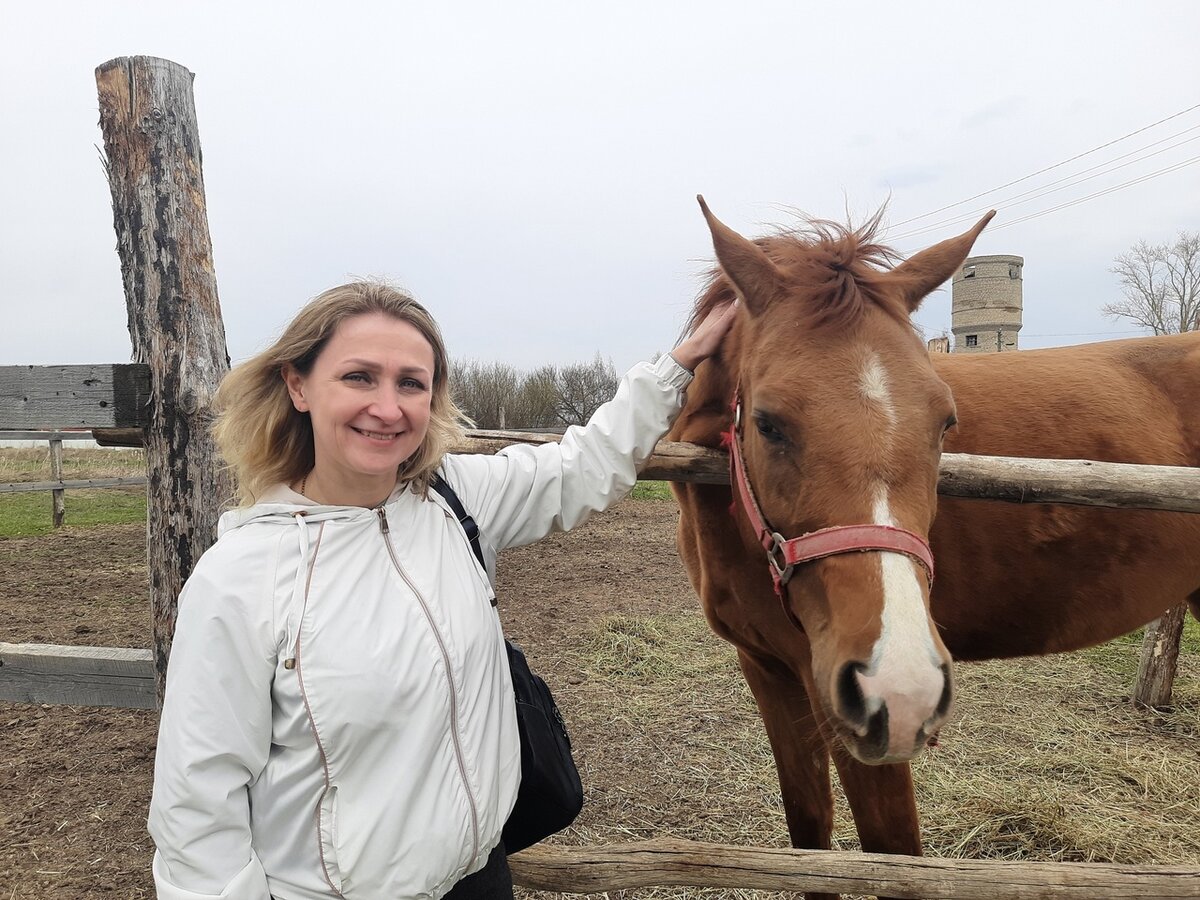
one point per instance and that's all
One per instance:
(95, 676)
(147, 114)
(58, 487)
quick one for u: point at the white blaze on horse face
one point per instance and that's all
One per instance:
(905, 670)
(873, 385)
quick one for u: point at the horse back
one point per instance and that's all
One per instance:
(1018, 579)
(1135, 401)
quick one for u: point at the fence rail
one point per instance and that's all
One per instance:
(675, 863)
(113, 395)
(46, 436)
(1078, 482)
(77, 676)
(19, 487)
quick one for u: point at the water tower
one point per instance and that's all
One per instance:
(985, 304)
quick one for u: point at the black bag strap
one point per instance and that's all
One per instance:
(442, 486)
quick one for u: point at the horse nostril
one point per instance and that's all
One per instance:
(877, 731)
(850, 695)
(943, 706)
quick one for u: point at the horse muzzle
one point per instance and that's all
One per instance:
(882, 719)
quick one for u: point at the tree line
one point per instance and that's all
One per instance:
(497, 395)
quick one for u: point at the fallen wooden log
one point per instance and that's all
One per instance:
(672, 862)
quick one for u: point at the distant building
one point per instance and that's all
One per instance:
(985, 304)
(939, 344)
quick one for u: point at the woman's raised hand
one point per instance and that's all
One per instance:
(704, 341)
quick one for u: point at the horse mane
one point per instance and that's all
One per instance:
(841, 266)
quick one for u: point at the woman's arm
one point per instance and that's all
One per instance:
(526, 491)
(215, 731)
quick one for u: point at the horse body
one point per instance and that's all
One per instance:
(1018, 580)
(843, 419)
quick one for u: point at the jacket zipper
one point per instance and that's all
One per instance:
(312, 721)
(458, 754)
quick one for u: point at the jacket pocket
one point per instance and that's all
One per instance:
(327, 826)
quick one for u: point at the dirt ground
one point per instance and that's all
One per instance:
(681, 756)
(75, 782)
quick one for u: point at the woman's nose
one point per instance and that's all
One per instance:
(385, 405)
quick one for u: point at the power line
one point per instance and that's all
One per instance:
(1050, 168)
(1047, 189)
(1166, 170)
(1110, 190)
(1113, 160)
(1082, 333)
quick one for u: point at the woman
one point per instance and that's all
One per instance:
(339, 718)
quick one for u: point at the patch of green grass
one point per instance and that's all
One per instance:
(31, 514)
(651, 490)
(1121, 655)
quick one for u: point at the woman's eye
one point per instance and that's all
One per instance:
(412, 384)
(355, 376)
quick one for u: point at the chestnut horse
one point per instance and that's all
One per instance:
(843, 418)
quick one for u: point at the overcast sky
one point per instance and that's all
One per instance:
(529, 170)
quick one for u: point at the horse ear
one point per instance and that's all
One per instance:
(753, 275)
(924, 271)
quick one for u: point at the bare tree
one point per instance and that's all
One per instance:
(537, 405)
(482, 390)
(583, 387)
(544, 398)
(1161, 285)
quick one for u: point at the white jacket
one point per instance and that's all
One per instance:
(385, 762)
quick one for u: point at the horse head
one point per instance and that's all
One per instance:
(840, 426)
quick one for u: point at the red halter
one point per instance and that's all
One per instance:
(784, 555)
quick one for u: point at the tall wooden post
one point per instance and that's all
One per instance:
(1160, 659)
(152, 145)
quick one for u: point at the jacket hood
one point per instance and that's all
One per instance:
(280, 504)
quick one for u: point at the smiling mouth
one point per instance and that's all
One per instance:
(377, 435)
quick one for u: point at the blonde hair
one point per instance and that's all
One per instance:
(265, 440)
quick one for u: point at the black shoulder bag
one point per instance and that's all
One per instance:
(551, 794)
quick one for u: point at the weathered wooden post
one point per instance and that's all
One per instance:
(152, 145)
(1160, 659)
(59, 497)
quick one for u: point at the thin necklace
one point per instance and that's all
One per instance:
(304, 484)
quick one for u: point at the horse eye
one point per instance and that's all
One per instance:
(950, 423)
(767, 428)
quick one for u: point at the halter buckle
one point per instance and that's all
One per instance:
(777, 558)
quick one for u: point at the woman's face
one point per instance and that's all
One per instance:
(368, 396)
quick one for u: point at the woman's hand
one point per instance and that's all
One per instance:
(704, 341)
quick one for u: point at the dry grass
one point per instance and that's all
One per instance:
(33, 464)
(1046, 759)
(1049, 761)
